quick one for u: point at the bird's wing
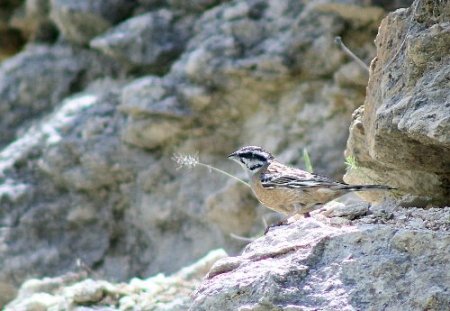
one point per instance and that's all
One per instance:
(294, 178)
(290, 181)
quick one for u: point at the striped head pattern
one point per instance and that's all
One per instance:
(252, 158)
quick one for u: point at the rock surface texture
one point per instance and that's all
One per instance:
(402, 133)
(391, 259)
(75, 291)
(105, 92)
(80, 21)
(35, 81)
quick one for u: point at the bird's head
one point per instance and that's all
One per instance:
(252, 158)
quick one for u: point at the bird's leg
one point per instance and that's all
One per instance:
(285, 221)
(277, 224)
(307, 214)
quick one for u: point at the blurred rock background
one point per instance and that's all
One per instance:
(97, 96)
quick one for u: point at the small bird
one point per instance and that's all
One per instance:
(289, 190)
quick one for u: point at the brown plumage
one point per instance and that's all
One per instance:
(289, 190)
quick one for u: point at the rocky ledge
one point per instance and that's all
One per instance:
(358, 257)
(390, 259)
(402, 132)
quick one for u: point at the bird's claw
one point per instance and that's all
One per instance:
(276, 224)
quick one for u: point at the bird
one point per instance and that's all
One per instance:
(288, 190)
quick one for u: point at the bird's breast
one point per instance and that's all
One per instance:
(277, 199)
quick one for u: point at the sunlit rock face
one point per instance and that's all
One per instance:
(388, 259)
(402, 133)
(89, 124)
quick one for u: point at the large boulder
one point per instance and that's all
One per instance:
(401, 136)
(397, 264)
(35, 81)
(148, 42)
(93, 180)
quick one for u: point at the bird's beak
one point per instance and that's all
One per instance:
(232, 155)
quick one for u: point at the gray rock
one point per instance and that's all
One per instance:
(144, 43)
(60, 70)
(309, 265)
(350, 210)
(194, 6)
(74, 292)
(70, 180)
(151, 96)
(72, 225)
(231, 209)
(248, 57)
(155, 113)
(80, 21)
(273, 47)
(407, 107)
(392, 4)
(97, 173)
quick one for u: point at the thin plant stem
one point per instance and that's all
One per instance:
(242, 238)
(190, 161)
(209, 167)
(352, 55)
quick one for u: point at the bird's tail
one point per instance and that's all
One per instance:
(366, 187)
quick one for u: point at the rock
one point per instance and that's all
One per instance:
(355, 13)
(95, 171)
(70, 292)
(151, 96)
(309, 265)
(407, 108)
(87, 291)
(230, 208)
(148, 42)
(8, 292)
(70, 180)
(38, 302)
(194, 6)
(277, 66)
(392, 5)
(350, 210)
(156, 115)
(150, 134)
(45, 179)
(60, 71)
(245, 26)
(80, 21)
(90, 181)
(33, 21)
